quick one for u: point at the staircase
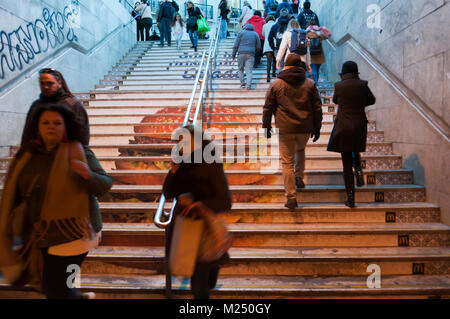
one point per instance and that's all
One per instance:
(322, 250)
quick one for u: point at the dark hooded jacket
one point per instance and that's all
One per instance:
(279, 26)
(350, 128)
(247, 41)
(295, 102)
(61, 98)
(306, 17)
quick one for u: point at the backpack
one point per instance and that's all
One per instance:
(299, 43)
(315, 47)
(273, 5)
(278, 39)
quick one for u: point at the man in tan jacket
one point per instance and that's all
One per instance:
(297, 106)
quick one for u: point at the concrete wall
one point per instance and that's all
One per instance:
(75, 37)
(412, 42)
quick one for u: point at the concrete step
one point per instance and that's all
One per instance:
(302, 236)
(230, 149)
(329, 162)
(398, 193)
(266, 213)
(144, 125)
(251, 140)
(219, 112)
(280, 261)
(258, 177)
(256, 287)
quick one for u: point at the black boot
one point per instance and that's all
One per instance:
(349, 180)
(359, 176)
(268, 78)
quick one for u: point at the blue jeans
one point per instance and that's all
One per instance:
(223, 30)
(315, 70)
(193, 35)
(166, 30)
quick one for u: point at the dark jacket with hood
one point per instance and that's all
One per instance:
(247, 41)
(279, 26)
(61, 98)
(306, 17)
(283, 5)
(350, 128)
(295, 102)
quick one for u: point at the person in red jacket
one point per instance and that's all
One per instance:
(258, 22)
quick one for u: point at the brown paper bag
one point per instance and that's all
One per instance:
(184, 247)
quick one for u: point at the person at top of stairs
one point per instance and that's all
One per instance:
(196, 179)
(349, 133)
(297, 106)
(247, 43)
(267, 50)
(54, 90)
(177, 27)
(165, 18)
(307, 16)
(145, 12)
(258, 22)
(247, 13)
(194, 14)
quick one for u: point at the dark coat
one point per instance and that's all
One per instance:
(207, 183)
(279, 26)
(223, 7)
(62, 99)
(295, 102)
(194, 14)
(350, 128)
(306, 17)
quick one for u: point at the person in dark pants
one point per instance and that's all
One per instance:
(194, 180)
(146, 20)
(139, 25)
(349, 133)
(59, 179)
(194, 14)
(165, 18)
(54, 90)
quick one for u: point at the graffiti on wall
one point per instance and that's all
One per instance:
(21, 46)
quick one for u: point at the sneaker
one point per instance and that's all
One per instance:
(88, 295)
(291, 204)
(299, 183)
(249, 89)
(243, 85)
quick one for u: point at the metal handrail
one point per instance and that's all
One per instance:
(204, 85)
(160, 210)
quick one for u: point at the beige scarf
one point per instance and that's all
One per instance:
(66, 204)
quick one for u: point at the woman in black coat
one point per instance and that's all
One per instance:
(196, 180)
(349, 133)
(194, 14)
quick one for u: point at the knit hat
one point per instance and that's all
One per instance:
(349, 67)
(293, 59)
(284, 12)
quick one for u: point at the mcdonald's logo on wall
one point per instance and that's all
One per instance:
(418, 268)
(379, 197)
(403, 240)
(371, 179)
(390, 217)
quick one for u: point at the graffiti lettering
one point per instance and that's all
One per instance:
(21, 46)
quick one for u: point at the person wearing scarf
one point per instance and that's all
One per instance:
(62, 221)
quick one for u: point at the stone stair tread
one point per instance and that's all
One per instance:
(171, 145)
(297, 285)
(278, 206)
(308, 188)
(301, 253)
(321, 228)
